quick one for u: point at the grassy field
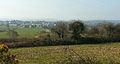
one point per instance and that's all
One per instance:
(29, 32)
(3, 35)
(23, 32)
(101, 53)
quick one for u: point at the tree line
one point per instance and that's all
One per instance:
(78, 29)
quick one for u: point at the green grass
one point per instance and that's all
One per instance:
(103, 53)
(3, 35)
(28, 32)
(23, 32)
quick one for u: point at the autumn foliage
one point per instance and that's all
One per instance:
(5, 56)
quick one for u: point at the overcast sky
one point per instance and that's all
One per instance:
(60, 9)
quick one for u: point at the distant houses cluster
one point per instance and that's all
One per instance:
(28, 24)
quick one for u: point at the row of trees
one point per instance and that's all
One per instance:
(77, 28)
(106, 29)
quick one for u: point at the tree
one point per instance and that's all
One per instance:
(13, 34)
(117, 28)
(106, 28)
(77, 27)
(93, 30)
(60, 29)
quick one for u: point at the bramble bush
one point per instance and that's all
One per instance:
(5, 57)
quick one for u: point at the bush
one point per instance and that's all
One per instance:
(5, 57)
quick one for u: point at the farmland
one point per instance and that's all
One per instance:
(23, 32)
(28, 32)
(60, 32)
(100, 53)
(82, 47)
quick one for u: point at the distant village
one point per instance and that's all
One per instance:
(28, 24)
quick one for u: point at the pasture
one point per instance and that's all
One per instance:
(23, 32)
(75, 54)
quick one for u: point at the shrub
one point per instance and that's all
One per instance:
(5, 57)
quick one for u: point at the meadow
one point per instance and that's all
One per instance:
(73, 54)
(23, 32)
(28, 32)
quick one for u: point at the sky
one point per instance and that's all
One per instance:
(60, 9)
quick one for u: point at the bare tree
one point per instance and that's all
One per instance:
(13, 34)
(60, 29)
(93, 30)
(117, 28)
(106, 29)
